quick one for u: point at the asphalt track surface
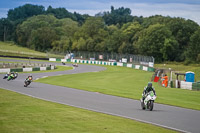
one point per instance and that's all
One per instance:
(176, 118)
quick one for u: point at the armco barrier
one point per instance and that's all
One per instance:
(137, 66)
(58, 59)
(145, 68)
(28, 69)
(141, 67)
(36, 69)
(43, 68)
(196, 86)
(129, 65)
(5, 70)
(63, 60)
(186, 85)
(48, 68)
(16, 70)
(52, 59)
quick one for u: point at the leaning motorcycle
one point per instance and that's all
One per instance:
(6, 76)
(148, 102)
(27, 82)
(15, 75)
(11, 76)
(75, 65)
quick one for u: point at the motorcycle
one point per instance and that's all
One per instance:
(27, 81)
(6, 76)
(147, 103)
(11, 76)
(15, 75)
(75, 65)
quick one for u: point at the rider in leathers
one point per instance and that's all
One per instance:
(147, 89)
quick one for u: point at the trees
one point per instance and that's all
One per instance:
(157, 41)
(117, 16)
(25, 11)
(193, 52)
(182, 30)
(42, 38)
(116, 31)
(5, 29)
(44, 32)
(60, 13)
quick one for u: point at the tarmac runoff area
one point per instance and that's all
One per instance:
(176, 118)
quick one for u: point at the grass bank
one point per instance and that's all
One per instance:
(175, 66)
(126, 82)
(11, 49)
(20, 113)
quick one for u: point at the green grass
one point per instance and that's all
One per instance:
(20, 113)
(181, 67)
(11, 49)
(126, 82)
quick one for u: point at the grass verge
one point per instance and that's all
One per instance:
(20, 113)
(11, 49)
(175, 66)
(125, 82)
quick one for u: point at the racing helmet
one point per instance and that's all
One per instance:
(149, 84)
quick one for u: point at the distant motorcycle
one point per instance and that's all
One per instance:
(27, 81)
(148, 102)
(75, 65)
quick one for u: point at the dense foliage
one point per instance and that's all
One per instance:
(56, 29)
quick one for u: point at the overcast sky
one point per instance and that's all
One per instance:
(188, 9)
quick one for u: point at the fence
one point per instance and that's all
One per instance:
(22, 67)
(141, 67)
(135, 59)
(17, 65)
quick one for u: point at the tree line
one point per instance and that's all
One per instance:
(114, 31)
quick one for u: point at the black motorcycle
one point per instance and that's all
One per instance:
(27, 81)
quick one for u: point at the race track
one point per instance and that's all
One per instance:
(180, 119)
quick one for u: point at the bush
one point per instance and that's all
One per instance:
(187, 62)
(198, 58)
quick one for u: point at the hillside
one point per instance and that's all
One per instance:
(11, 49)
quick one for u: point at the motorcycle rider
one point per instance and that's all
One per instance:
(28, 80)
(30, 77)
(12, 74)
(15, 75)
(147, 89)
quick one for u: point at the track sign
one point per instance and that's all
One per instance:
(124, 60)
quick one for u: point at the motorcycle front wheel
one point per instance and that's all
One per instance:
(151, 105)
(142, 105)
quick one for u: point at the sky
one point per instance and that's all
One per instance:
(188, 9)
